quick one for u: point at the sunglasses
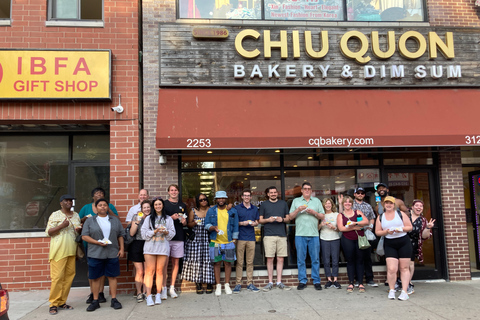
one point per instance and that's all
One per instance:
(361, 193)
(203, 199)
(156, 198)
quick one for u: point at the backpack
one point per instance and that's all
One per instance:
(127, 238)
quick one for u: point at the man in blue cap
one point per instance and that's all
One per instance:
(222, 224)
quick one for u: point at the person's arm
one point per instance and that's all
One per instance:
(340, 226)
(360, 224)
(401, 205)
(170, 229)
(112, 210)
(191, 222)
(146, 231)
(340, 202)
(427, 231)
(134, 225)
(121, 251)
(55, 230)
(407, 224)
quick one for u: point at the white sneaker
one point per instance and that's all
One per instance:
(218, 291)
(150, 301)
(403, 296)
(163, 294)
(173, 294)
(158, 298)
(227, 289)
(391, 294)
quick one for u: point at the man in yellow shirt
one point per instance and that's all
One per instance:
(62, 228)
(223, 227)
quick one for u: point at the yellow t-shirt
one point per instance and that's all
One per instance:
(222, 219)
(63, 243)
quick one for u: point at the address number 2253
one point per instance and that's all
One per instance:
(199, 143)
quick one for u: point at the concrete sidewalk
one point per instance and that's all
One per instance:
(431, 300)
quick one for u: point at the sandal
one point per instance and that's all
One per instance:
(53, 310)
(350, 288)
(199, 288)
(209, 288)
(66, 307)
(361, 288)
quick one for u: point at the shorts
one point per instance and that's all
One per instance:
(275, 244)
(222, 252)
(135, 251)
(176, 249)
(398, 248)
(103, 267)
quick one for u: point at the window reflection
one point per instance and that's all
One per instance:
(220, 9)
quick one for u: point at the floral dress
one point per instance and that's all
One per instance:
(196, 265)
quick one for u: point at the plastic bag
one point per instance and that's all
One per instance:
(380, 249)
(370, 235)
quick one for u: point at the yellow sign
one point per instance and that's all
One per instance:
(52, 74)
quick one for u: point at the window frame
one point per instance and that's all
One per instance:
(78, 22)
(344, 20)
(7, 21)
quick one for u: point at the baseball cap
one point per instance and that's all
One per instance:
(359, 189)
(66, 197)
(390, 199)
(221, 194)
(381, 184)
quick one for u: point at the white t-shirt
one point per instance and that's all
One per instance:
(133, 211)
(105, 225)
(326, 233)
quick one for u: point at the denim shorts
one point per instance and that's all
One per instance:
(103, 267)
(222, 252)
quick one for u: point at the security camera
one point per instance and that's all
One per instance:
(118, 109)
(162, 159)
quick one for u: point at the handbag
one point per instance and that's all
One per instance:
(80, 254)
(363, 242)
(380, 248)
(189, 234)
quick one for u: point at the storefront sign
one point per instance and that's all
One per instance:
(52, 74)
(315, 56)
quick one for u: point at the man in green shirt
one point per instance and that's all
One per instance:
(307, 211)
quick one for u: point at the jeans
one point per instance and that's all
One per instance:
(312, 244)
(330, 249)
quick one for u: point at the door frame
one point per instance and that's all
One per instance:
(474, 214)
(440, 271)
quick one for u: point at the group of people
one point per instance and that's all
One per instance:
(225, 234)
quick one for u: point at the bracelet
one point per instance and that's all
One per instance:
(428, 228)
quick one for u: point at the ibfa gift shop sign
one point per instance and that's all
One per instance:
(271, 56)
(55, 74)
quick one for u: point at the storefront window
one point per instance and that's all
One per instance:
(225, 159)
(470, 155)
(408, 156)
(35, 172)
(5, 9)
(329, 158)
(315, 10)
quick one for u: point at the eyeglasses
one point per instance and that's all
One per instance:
(203, 199)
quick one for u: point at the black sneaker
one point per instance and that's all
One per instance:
(318, 286)
(89, 298)
(329, 284)
(301, 286)
(93, 306)
(115, 304)
(337, 285)
(101, 298)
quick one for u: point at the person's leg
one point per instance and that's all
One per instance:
(367, 264)
(150, 266)
(313, 246)
(228, 271)
(392, 267)
(359, 263)
(241, 246)
(57, 270)
(412, 269)
(112, 282)
(250, 256)
(301, 246)
(139, 276)
(335, 254)
(175, 266)
(68, 276)
(326, 254)
(102, 284)
(96, 285)
(160, 266)
(349, 251)
(165, 272)
(217, 266)
(404, 264)
(279, 269)
(270, 269)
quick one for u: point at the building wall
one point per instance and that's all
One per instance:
(454, 217)
(453, 13)
(28, 267)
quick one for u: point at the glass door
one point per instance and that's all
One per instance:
(86, 177)
(474, 220)
(407, 185)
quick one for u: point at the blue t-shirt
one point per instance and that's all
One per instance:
(247, 233)
(87, 210)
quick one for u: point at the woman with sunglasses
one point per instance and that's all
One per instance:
(157, 231)
(135, 249)
(421, 231)
(197, 266)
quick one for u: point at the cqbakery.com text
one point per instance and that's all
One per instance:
(340, 142)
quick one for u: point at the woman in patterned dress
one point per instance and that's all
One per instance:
(421, 231)
(197, 266)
